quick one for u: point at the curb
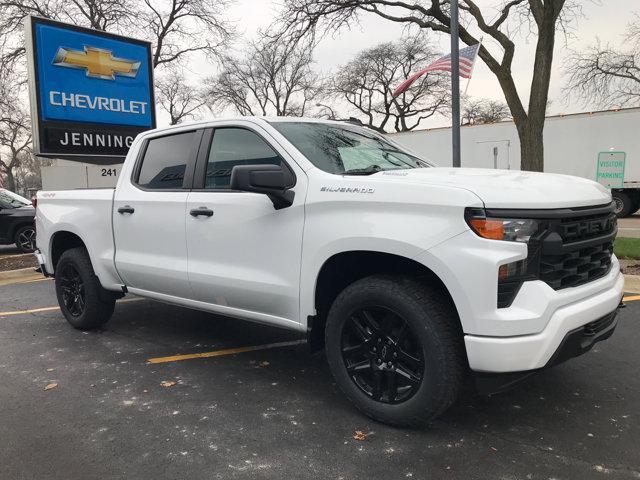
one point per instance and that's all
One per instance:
(22, 275)
(17, 274)
(632, 283)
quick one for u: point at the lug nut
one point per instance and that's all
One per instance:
(378, 361)
(389, 364)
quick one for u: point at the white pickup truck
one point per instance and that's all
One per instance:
(413, 278)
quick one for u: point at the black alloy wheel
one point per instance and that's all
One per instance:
(382, 355)
(395, 348)
(83, 301)
(73, 290)
(26, 239)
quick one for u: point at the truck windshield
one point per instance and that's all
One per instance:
(346, 150)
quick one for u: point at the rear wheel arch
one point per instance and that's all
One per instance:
(61, 242)
(345, 268)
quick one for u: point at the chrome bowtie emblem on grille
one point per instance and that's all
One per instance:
(96, 62)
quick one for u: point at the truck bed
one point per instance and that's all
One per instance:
(86, 213)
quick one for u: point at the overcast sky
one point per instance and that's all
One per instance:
(604, 19)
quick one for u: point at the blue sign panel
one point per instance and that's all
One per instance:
(93, 90)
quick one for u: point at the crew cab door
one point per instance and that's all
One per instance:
(242, 252)
(149, 215)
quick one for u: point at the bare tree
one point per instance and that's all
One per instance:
(274, 78)
(15, 142)
(170, 25)
(607, 75)
(481, 111)
(367, 83)
(185, 27)
(543, 17)
(179, 99)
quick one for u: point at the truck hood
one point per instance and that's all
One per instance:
(510, 189)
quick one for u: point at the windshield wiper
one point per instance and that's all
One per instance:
(371, 169)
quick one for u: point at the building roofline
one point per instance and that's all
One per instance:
(510, 121)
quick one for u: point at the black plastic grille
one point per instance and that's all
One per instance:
(577, 267)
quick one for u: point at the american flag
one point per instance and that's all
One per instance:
(443, 64)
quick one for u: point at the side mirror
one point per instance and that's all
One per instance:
(272, 180)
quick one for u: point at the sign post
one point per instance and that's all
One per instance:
(91, 92)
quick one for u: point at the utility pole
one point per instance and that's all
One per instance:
(455, 83)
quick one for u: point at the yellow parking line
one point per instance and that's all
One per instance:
(228, 351)
(22, 282)
(32, 310)
(632, 298)
(51, 309)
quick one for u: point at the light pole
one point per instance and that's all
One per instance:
(455, 84)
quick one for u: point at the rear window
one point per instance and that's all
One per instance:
(165, 161)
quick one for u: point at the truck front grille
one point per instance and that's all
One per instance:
(577, 267)
(572, 246)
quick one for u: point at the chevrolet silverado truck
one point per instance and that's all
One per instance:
(412, 278)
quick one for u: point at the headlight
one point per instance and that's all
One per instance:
(510, 229)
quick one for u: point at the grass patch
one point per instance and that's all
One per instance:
(627, 248)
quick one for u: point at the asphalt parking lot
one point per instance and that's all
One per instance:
(276, 413)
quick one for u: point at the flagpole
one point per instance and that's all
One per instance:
(455, 84)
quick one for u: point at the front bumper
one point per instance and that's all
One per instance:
(575, 343)
(535, 351)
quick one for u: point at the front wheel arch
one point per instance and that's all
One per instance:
(345, 268)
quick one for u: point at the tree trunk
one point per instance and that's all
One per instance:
(9, 180)
(531, 137)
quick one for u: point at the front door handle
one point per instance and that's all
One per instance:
(204, 211)
(126, 209)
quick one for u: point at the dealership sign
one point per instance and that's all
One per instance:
(91, 92)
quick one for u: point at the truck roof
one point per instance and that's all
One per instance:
(254, 119)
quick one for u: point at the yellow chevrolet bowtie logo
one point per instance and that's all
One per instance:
(96, 62)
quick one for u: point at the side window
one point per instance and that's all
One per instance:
(165, 161)
(235, 146)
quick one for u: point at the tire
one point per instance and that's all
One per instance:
(25, 239)
(83, 301)
(623, 203)
(420, 325)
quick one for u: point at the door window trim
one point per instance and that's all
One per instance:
(187, 181)
(198, 184)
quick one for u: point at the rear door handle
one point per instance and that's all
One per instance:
(204, 211)
(126, 209)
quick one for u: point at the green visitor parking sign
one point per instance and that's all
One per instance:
(610, 171)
